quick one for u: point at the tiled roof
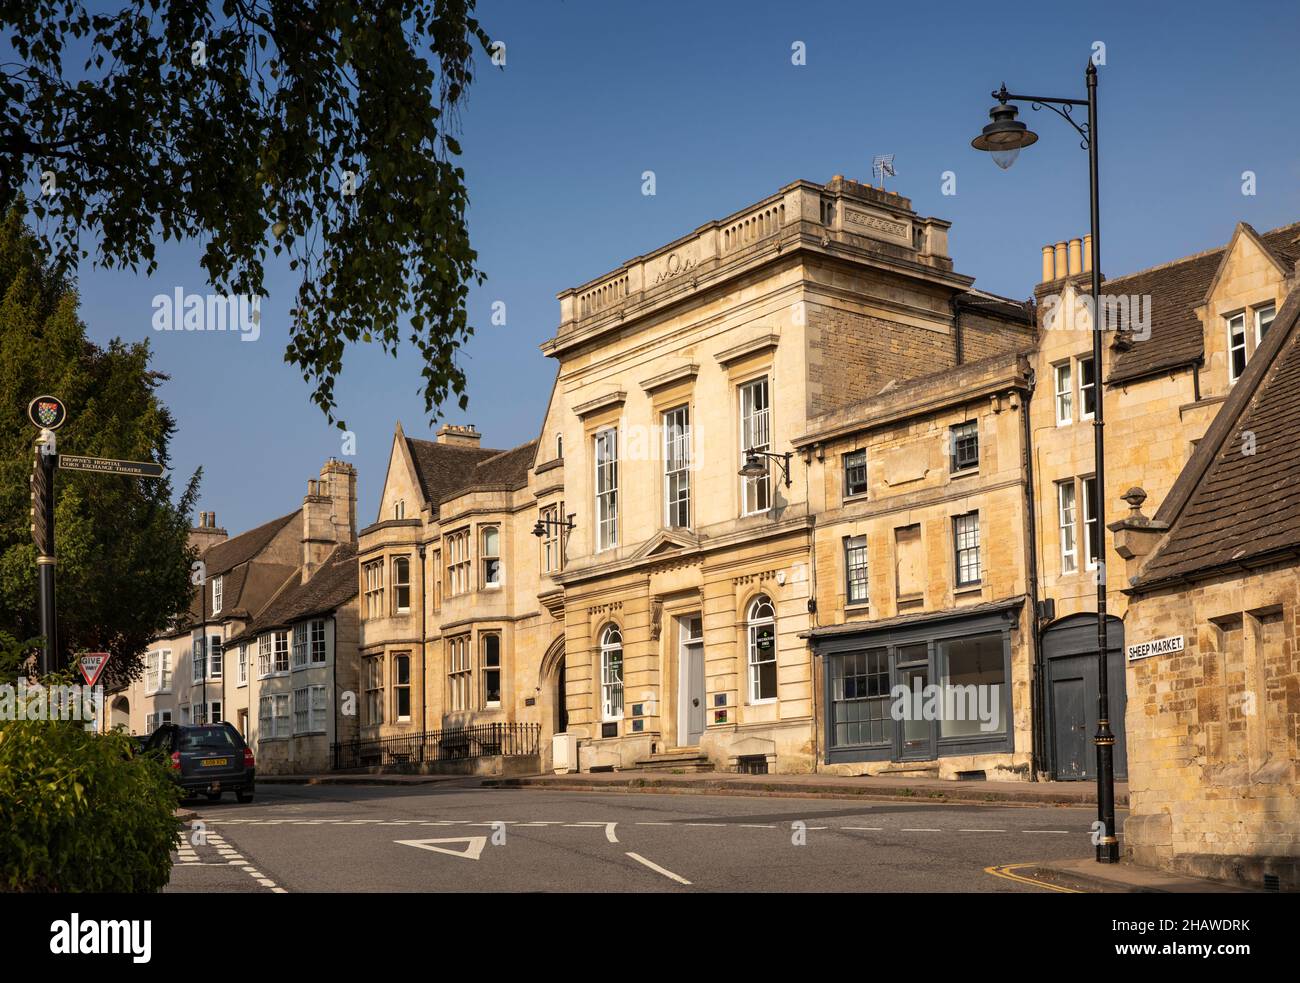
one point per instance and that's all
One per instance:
(239, 549)
(1176, 289)
(506, 470)
(331, 586)
(1228, 507)
(443, 469)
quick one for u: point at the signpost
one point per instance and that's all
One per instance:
(48, 413)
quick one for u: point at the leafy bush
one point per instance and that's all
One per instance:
(81, 811)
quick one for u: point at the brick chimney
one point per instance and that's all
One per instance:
(207, 533)
(329, 514)
(465, 436)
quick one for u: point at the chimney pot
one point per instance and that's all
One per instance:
(1049, 265)
(1087, 253)
(1076, 265)
(1062, 262)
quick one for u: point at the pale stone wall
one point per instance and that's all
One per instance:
(1213, 731)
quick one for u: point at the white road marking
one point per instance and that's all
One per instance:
(657, 869)
(871, 828)
(609, 832)
(919, 829)
(1044, 831)
(981, 831)
(473, 846)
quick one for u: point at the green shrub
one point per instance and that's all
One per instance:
(81, 811)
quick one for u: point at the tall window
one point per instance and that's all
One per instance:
(1067, 516)
(966, 544)
(374, 572)
(264, 655)
(216, 654)
(375, 690)
(402, 687)
(158, 671)
(559, 446)
(1236, 346)
(309, 710)
(318, 643)
(218, 591)
(1087, 389)
(1091, 527)
(300, 645)
(964, 443)
(611, 673)
(458, 563)
(273, 716)
(458, 673)
(491, 670)
(280, 653)
(1064, 393)
(198, 658)
(855, 569)
(402, 584)
(243, 665)
(490, 555)
(1263, 319)
(677, 468)
(761, 643)
(552, 538)
(855, 473)
(399, 509)
(437, 580)
(755, 434)
(606, 446)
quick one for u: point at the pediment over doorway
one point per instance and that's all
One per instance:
(665, 543)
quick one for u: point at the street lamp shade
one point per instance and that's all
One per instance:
(1005, 137)
(754, 467)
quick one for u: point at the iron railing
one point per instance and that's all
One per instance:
(449, 744)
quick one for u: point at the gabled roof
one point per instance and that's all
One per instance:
(506, 471)
(232, 552)
(1237, 502)
(1176, 289)
(443, 469)
(332, 585)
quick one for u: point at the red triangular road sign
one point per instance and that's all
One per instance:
(92, 664)
(473, 846)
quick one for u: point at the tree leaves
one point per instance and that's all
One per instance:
(244, 144)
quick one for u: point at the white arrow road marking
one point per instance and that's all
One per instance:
(657, 869)
(473, 846)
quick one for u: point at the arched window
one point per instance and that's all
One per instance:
(559, 446)
(611, 673)
(760, 627)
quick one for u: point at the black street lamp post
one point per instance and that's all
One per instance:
(1004, 138)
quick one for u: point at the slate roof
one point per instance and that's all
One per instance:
(332, 585)
(1228, 508)
(443, 469)
(1176, 289)
(507, 470)
(239, 549)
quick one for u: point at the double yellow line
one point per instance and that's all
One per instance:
(1005, 871)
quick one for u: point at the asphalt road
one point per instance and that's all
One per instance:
(461, 838)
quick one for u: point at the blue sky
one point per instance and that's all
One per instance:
(704, 94)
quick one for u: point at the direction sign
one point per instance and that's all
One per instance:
(92, 664)
(106, 465)
(47, 412)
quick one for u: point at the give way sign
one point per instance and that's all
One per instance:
(92, 664)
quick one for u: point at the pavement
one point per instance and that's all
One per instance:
(718, 783)
(465, 835)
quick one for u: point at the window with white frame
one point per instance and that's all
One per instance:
(1091, 527)
(282, 722)
(152, 721)
(265, 718)
(165, 664)
(374, 578)
(1087, 389)
(491, 644)
(755, 435)
(966, 546)
(552, 538)
(1236, 346)
(217, 592)
(280, 652)
(677, 468)
(458, 673)
(375, 690)
(402, 687)
(198, 659)
(760, 638)
(158, 671)
(300, 646)
(458, 563)
(1064, 393)
(318, 704)
(855, 569)
(401, 584)
(490, 555)
(309, 710)
(1067, 518)
(264, 655)
(151, 674)
(611, 673)
(216, 657)
(317, 653)
(606, 459)
(207, 713)
(243, 664)
(1263, 319)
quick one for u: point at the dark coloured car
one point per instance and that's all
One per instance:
(207, 758)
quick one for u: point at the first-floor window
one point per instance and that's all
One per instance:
(375, 690)
(458, 673)
(300, 646)
(606, 478)
(402, 687)
(964, 445)
(677, 468)
(318, 643)
(1066, 519)
(280, 661)
(264, 655)
(1087, 389)
(855, 473)
(966, 542)
(755, 435)
(491, 671)
(243, 664)
(611, 673)
(402, 584)
(761, 643)
(198, 659)
(855, 569)
(1064, 393)
(1091, 527)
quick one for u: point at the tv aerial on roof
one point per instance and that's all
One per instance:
(881, 165)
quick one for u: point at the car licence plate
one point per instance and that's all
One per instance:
(215, 762)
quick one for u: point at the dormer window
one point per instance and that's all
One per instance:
(1263, 318)
(1236, 346)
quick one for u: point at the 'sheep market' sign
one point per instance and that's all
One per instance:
(1157, 646)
